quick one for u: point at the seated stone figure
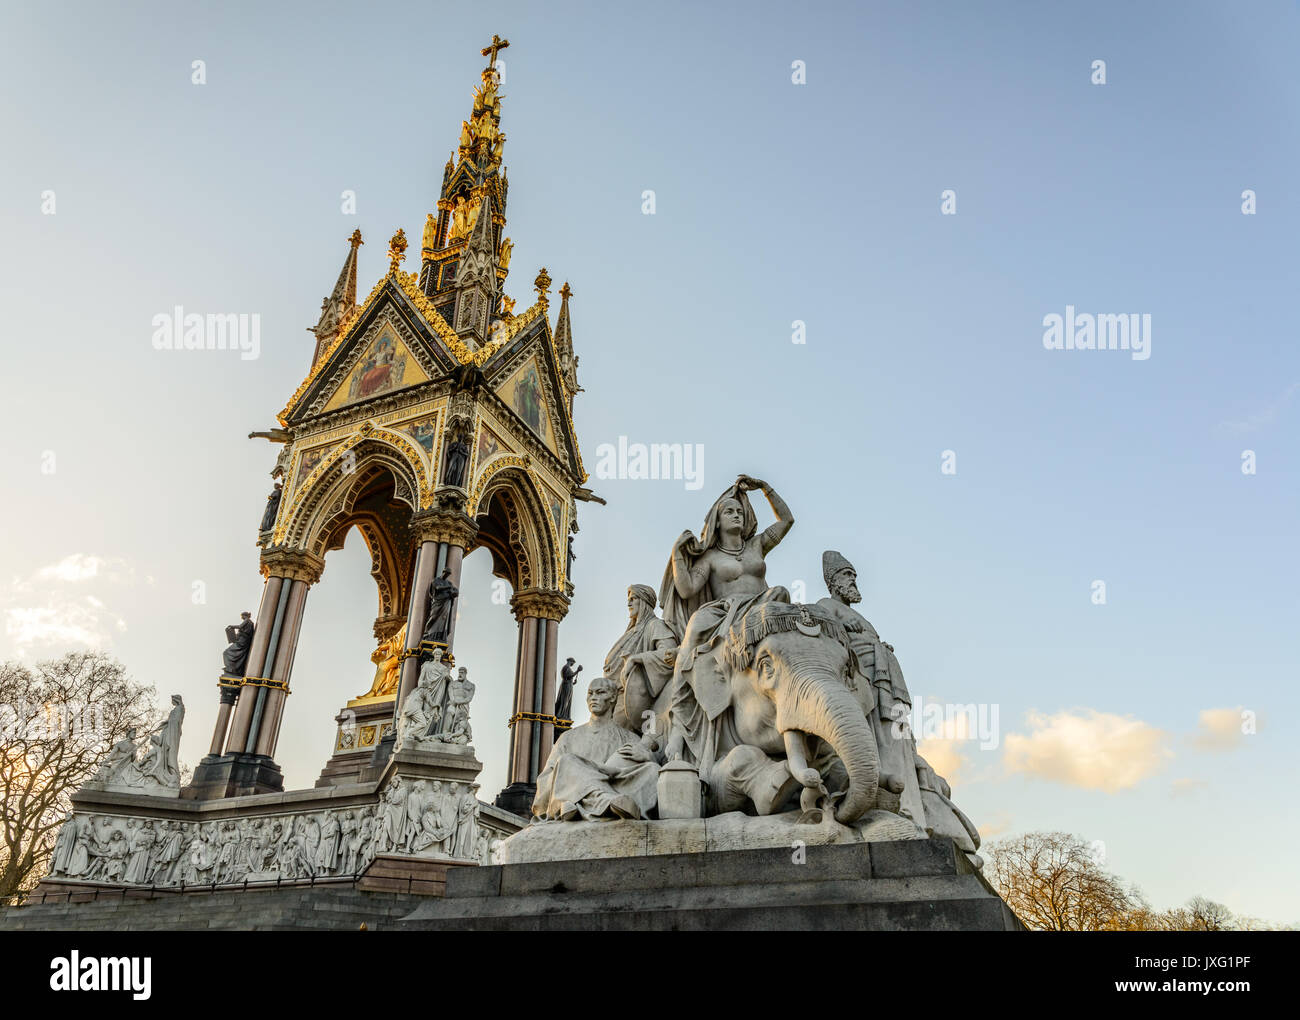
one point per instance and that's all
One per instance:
(642, 662)
(598, 770)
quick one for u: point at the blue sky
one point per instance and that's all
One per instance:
(775, 202)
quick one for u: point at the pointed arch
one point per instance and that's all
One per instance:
(516, 524)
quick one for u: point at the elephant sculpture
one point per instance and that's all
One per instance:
(765, 705)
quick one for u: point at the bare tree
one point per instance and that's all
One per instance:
(57, 723)
(1054, 882)
(1200, 914)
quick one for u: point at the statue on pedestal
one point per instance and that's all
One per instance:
(160, 762)
(272, 508)
(388, 658)
(157, 768)
(457, 461)
(234, 660)
(441, 605)
(598, 770)
(455, 728)
(422, 710)
(564, 696)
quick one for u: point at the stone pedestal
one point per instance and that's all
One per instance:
(909, 885)
(680, 791)
(517, 798)
(233, 775)
(362, 725)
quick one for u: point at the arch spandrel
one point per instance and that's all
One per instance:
(334, 485)
(531, 532)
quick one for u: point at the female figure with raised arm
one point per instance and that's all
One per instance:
(709, 580)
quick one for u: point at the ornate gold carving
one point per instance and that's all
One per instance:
(532, 717)
(396, 250)
(498, 464)
(443, 526)
(541, 603)
(292, 564)
(261, 681)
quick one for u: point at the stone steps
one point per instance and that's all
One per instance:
(908, 885)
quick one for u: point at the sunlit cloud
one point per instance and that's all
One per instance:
(84, 621)
(1220, 729)
(945, 758)
(51, 609)
(1088, 749)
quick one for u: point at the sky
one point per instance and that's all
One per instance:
(944, 178)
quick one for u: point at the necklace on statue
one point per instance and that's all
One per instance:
(733, 552)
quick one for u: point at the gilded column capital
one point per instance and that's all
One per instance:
(539, 602)
(294, 564)
(440, 525)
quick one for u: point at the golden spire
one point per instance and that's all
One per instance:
(396, 250)
(543, 285)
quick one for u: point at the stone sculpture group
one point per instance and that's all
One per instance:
(416, 818)
(413, 815)
(437, 711)
(148, 766)
(780, 709)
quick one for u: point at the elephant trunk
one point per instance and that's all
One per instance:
(819, 704)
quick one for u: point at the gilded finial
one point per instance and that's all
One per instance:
(565, 293)
(543, 285)
(355, 239)
(397, 250)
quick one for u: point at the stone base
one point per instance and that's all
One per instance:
(233, 775)
(362, 725)
(517, 798)
(570, 841)
(907, 885)
(148, 791)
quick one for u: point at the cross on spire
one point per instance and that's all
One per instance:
(491, 51)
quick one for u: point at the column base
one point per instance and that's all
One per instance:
(233, 775)
(517, 798)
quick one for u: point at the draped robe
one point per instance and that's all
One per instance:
(576, 782)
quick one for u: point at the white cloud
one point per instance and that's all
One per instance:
(85, 621)
(1089, 749)
(82, 567)
(1220, 729)
(1186, 786)
(51, 609)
